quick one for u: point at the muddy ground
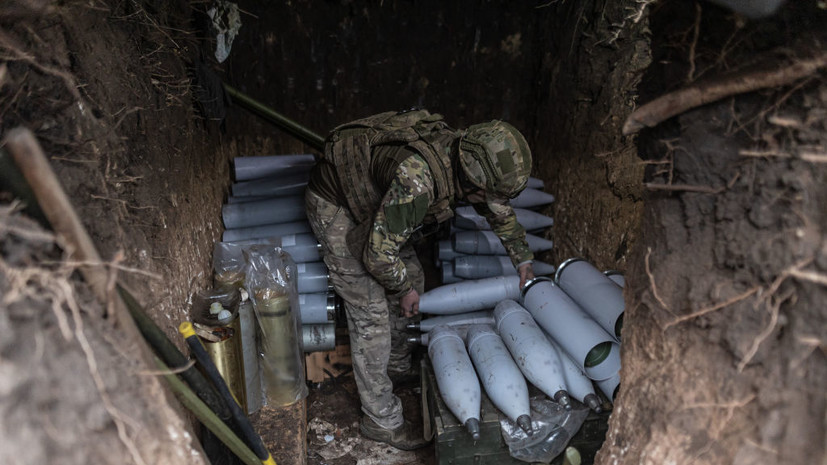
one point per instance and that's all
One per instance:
(724, 341)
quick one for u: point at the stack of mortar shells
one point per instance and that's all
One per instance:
(266, 204)
(564, 331)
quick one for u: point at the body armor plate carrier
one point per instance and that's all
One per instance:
(348, 148)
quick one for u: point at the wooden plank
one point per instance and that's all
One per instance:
(328, 365)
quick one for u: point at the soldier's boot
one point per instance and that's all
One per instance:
(405, 437)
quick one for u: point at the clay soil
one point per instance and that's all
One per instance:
(716, 216)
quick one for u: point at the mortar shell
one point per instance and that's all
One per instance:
(594, 292)
(470, 295)
(580, 336)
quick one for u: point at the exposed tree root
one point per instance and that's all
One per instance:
(776, 73)
(652, 284)
(713, 308)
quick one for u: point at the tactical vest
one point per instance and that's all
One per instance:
(348, 148)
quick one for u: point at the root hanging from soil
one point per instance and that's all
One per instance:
(652, 284)
(771, 72)
(60, 292)
(118, 417)
(712, 308)
(17, 54)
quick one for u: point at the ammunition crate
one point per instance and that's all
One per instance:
(453, 444)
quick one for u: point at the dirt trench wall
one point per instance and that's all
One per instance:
(108, 91)
(724, 336)
(106, 87)
(593, 55)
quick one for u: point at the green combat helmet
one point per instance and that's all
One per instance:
(495, 157)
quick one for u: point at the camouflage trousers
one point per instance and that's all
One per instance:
(378, 340)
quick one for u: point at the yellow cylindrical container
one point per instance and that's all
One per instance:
(227, 356)
(222, 338)
(281, 365)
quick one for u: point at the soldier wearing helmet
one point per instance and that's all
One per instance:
(382, 181)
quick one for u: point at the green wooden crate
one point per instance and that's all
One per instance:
(453, 444)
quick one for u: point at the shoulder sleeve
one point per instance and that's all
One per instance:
(504, 223)
(403, 207)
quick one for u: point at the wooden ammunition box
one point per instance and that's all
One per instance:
(453, 444)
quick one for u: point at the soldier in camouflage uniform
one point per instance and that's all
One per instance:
(381, 181)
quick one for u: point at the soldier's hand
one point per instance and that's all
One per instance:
(526, 273)
(410, 303)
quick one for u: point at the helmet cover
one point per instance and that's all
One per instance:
(496, 158)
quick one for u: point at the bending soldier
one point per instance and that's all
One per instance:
(382, 181)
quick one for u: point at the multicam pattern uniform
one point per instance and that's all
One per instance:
(389, 265)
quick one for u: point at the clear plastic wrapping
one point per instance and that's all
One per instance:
(270, 280)
(229, 264)
(553, 427)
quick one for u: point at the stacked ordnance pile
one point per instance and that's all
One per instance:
(473, 251)
(271, 299)
(266, 205)
(561, 335)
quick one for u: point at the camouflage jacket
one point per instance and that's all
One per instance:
(395, 189)
(402, 211)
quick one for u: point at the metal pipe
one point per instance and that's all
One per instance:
(531, 198)
(598, 295)
(468, 296)
(487, 266)
(318, 308)
(467, 218)
(266, 231)
(499, 374)
(578, 385)
(270, 211)
(312, 277)
(487, 243)
(319, 337)
(585, 341)
(529, 347)
(273, 186)
(456, 378)
(293, 128)
(482, 317)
